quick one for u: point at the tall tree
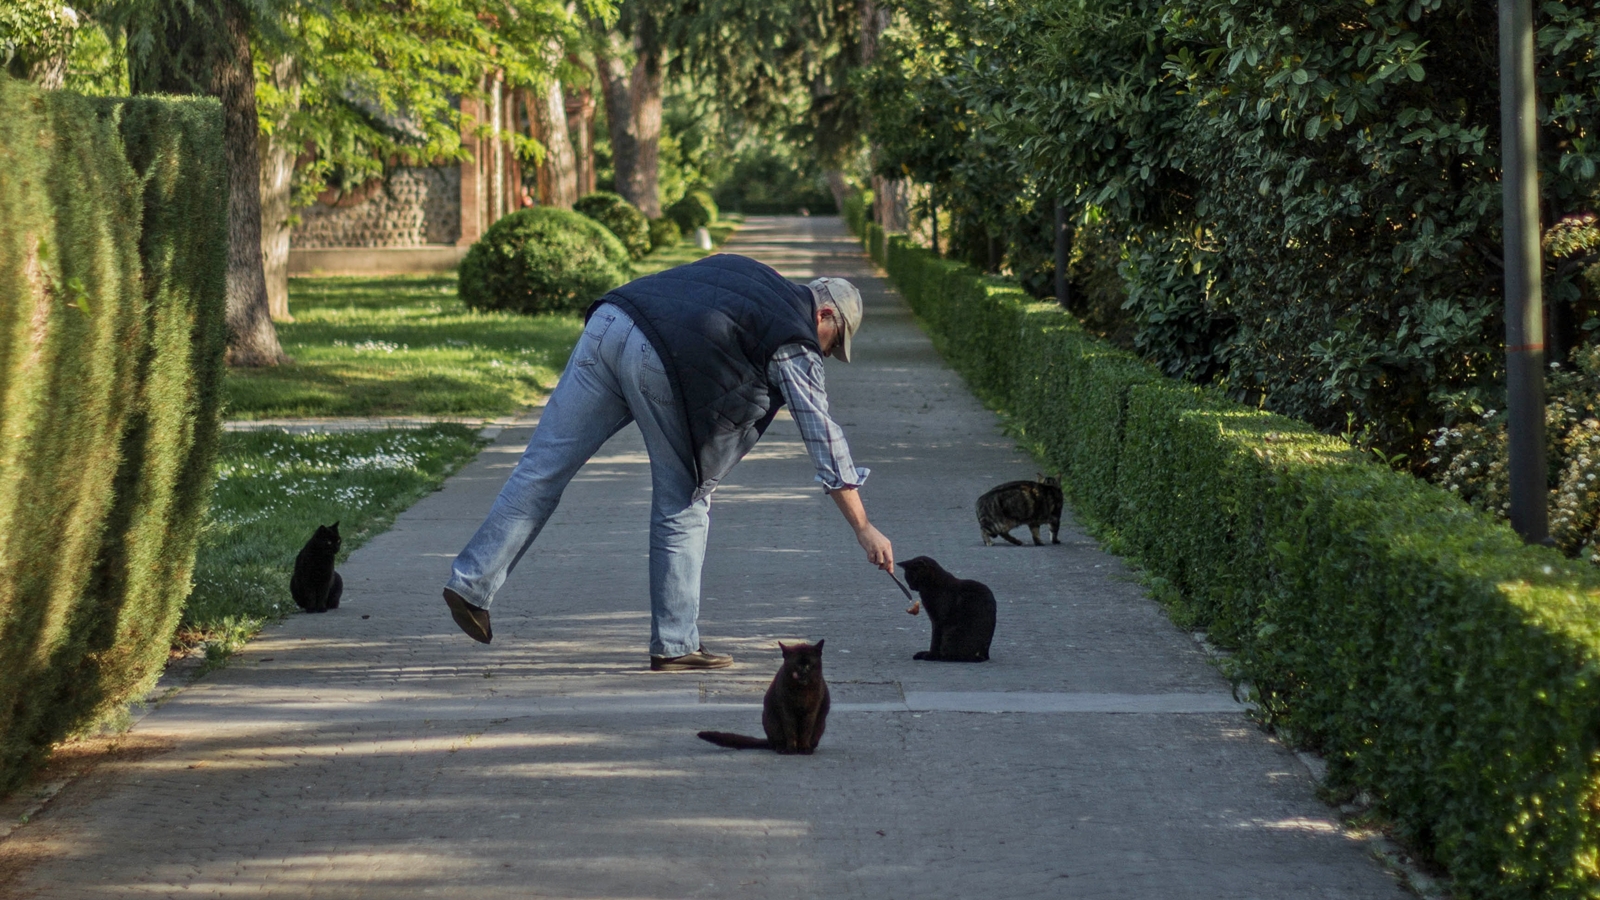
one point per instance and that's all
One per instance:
(630, 61)
(203, 46)
(372, 84)
(282, 80)
(559, 186)
(789, 65)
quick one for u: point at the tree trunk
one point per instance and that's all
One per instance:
(277, 168)
(889, 196)
(580, 128)
(252, 341)
(49, 73)
(550, 107)
(837, 186)
(277, 172)
(633, 112)
(204, 47)
(891, 203)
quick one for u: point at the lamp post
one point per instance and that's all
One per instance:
(1519, 181)
(1063, 252)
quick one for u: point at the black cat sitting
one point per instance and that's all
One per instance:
(962, 612)
(795, 711)
(315, 586)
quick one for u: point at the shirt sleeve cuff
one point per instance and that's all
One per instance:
(840, 484)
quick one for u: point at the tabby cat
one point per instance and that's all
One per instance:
(962, 612)
(1030, 503)
(795, 710)
(315, 586)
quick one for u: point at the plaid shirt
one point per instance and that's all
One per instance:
(797, 371)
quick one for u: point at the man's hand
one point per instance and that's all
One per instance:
(879, 551)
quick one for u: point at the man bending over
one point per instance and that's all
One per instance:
(701, 357)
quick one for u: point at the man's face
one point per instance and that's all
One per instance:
(827, 331)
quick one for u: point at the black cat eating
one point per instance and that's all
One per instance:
(962, 612)
(315, 586)
(795, 710)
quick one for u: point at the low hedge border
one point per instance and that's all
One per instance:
(1435, 660)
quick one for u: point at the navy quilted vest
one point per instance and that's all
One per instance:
(715, 324)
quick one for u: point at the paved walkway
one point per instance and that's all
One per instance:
(376, 752)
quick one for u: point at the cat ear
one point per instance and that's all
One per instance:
(783, 647)
(819, 644)
(334, 526)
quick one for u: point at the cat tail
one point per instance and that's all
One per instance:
(735, 741)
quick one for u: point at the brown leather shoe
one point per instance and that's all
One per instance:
(699, 659)
(474, 620)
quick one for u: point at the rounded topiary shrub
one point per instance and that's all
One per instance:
(695, 210)
(664, 233)
(623, 219)
(542, 260)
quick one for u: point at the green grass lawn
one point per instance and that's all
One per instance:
(401, 345)
(405, 345)
(273, 489)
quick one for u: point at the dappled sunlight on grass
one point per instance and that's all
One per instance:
(273, 489)
(402, 345)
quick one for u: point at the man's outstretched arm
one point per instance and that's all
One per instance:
(879, 551)
(799, 375)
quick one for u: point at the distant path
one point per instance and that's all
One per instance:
(340, 756)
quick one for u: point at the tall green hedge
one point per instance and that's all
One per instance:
(112, 266)
(1435, 660)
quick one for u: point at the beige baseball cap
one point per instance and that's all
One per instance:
(844, 297)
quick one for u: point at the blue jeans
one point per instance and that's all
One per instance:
(614, 377)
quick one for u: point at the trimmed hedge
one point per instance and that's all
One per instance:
(695, 210)
(664, 233)
(1436, 661)
(542, 260)
(621, 218)
(111, 340)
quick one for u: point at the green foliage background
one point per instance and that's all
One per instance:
(111, 342)
(1296, 202)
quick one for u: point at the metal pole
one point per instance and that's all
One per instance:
(1063, 250)
(1524, 304)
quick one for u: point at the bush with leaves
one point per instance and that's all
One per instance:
(620, 217)
(664, 233)
(1470, 458)
(35, 38)
(695, 210)
(542, 260)
(931, 96)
